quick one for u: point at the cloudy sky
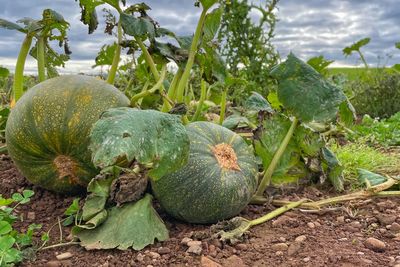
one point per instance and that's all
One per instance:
(307, 28)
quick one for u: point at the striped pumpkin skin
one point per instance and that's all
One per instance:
(203, 191)
(47, 132)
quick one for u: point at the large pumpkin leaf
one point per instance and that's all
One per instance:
(258, 103)
(211, 24)
(370, 178)
(152, 138)
(305, 93)
(134, 225)
(137, 26)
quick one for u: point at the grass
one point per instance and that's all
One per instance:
(353, 74)
(359, 155)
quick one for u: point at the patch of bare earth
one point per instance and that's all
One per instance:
(362, 233)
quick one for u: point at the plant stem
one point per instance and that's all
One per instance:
(276, 212)
(3, 149)
(61, 245)
(157, 86)
(363, 59)
(266, 180)
(201, 101)
(19, 68)
(223, 106)
(117, 55)
(374, 191)
(189, 64)
(172, 89)
(150, 62)
(40, 58)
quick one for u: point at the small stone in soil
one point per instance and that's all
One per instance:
(241, 246)
(207, 262)
(279, 247)
(311, 225)
(52, 264)
(185, 240)
(64, 256)
(294, 248)
(306, 259)
(154, 255)
(340, 219)
(140, 257)
(234, 261)
(195, 249)
(300, 238)
(385, 219)
(375, 244)
(395, 227)
(193, 243)
(163, 250)
(279, 253)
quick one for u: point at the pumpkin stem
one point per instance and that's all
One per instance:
(66, 168)
(226, 156)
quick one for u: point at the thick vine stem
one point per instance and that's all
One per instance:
(172, 89)
(156, 87)
(150, 62)
(243, 225)
(266, 180)
(223, 106)
(201, 101)
(192, 53)
(373, 191)
(19, 68)
(41, 58)
(117, 56)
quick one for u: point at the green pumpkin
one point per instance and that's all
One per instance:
(47, 132)
(218, 181)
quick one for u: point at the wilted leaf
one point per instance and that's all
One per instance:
(88, 13)
(11, 25)
(105, 56)
(332, 168)
(370, 178)
(134, 225)
(305, 93)
(258, 103)
(234, 121)
(152, 138)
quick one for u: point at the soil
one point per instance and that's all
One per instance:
(360, 233)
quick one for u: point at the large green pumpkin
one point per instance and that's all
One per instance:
(48, 130)
(218, 181)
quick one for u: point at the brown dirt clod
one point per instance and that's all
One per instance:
(226, 156)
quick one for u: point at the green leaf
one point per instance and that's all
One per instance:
(137, 26)
(396, 67)
(28, 193)
(150, 137)
(347, 113)
(397, 45)
(17, 197)
(11, 25)
(235, 121)
(4, 72)
(6, 242)
(305, 93)
(105, 56)
(355, 46)
(134, 225)
(6, 201)
(88, 13)
(319, 64)
(267, 141)
(208, 3)
(370, 178)
(73, 208)
(333, 169)
(5, 227)
(211, 24)
(258, 103)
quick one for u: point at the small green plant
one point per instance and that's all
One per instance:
(12, 243)
(385, 132)
(355, 47)
(359, 155)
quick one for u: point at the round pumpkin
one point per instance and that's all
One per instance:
(217, 182)
(47, 132)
